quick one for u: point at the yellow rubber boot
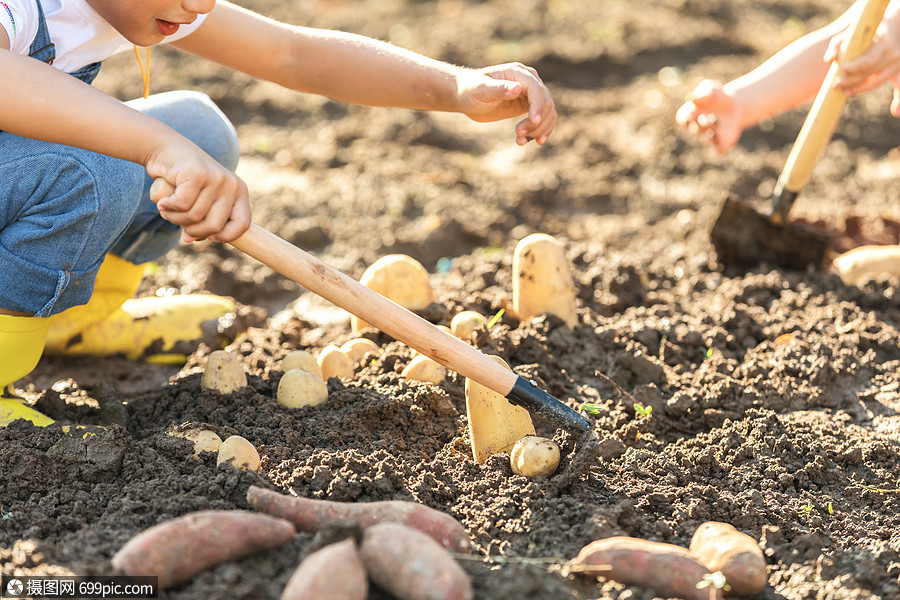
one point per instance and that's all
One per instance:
(21, 344)
(159, 329)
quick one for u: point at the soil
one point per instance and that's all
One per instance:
(774, 393)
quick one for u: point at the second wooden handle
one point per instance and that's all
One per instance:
(829, 103)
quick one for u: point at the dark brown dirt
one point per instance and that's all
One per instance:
(794, 439)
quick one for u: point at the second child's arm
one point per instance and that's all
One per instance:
(360, 70)
(40, 102)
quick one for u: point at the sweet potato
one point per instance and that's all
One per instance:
(721, 547)
(412, 566)
(335, 572)
(669, 570)
(308, 514)
(178, 549)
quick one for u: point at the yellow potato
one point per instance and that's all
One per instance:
(224, 373)
(239, 452)
(422, 368)
(335, 363)
(400, 278)
(299, 387)
(357, 349)
(300, 359)
(533, 456)
(204, 440)
(867, 262)
(464, 325)
(542, 280)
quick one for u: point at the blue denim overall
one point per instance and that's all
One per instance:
(63, 209)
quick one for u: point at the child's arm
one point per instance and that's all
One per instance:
(360, 70)
(40, 102)
(788, 79)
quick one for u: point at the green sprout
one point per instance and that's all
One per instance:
(808, 508)
(709, 352)
(642, 410)
(495, 319)
(4, 515)
(591, 408)
(830, 508)
(716, 580)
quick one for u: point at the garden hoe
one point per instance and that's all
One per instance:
(404, 325)
(741, 235)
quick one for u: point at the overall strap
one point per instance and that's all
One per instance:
(42, 49)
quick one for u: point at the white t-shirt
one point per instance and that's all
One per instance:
(80, 35)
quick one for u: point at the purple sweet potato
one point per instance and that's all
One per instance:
(721, 547)
(178, 549)
(669, 570)
(411, 565)
(335, 572)
(310, 515)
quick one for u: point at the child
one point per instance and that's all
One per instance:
(76, 165)
(719, 113)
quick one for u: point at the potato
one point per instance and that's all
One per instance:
(867, 262)
(299, 387)
(400, 278)
(669, 570)
(309, 514)
(357, 349)
(224, 373)
(300, 359)
(721, 547)
(335, 363)
(239, 453)
(542, 280)
(533, 456)
(423, 368)
(204, 440)
(464, 324)
(335, 572)
(412, 566)
(178, 549)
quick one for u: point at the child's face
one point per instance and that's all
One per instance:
(148, 22)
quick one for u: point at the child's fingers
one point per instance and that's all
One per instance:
(237, 224)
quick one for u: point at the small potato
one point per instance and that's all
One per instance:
(204, 440)
(239, 452)
(533, 456)
(299, 387)
(542, 280)
(861, 264)
(224, 373)
(335, 363)
(721, 547)
(357, 349)
(400, 278)
(423, 368)
(464, 324)
(300, 359)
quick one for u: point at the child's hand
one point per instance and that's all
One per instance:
(880, 63)
(508, 90)
(209, 201)
(713, 114)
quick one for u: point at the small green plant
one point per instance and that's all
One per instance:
(589, 408)
(4, 515)
(808, 508)
(642, 410)
(495, 319)
(716, 580)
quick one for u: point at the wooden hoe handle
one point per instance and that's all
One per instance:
(398, 322)
(826, 109)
